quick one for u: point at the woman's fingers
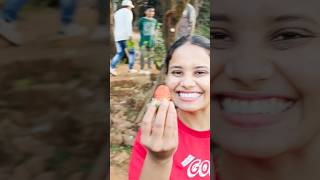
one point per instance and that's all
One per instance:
(171, 126)
(158, 124)
(146, 123)
(160, 131)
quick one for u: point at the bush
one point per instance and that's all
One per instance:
(159, 49)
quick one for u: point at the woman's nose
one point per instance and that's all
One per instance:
(249, 70)
(188, 83)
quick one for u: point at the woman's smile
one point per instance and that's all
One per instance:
(189, 96)
(253, 110)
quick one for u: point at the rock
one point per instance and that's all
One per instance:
(121, 158)
(117, 174)
(128, 139)
(116, 138)
(123, 125)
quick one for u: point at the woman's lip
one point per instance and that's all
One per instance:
(251, 121)
(252, 95)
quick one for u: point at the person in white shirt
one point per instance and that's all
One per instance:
(122, 33)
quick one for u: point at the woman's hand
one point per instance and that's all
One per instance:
(159, 131)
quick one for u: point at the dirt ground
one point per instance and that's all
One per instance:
(127, 97)
(53, 101)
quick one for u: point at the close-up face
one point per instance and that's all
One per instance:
(266, 76)
(150, 12)
(189, 78)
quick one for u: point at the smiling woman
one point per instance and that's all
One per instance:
(266, 98)
(174, 139)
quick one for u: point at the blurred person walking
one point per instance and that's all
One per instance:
(122, 33)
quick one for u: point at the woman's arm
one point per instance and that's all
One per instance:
(158, 170)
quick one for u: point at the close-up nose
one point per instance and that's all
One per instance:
(188, 83)
(249, 69)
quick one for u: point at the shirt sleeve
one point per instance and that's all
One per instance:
(138, 155)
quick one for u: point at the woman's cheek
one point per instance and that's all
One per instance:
(205, 83)
(172, 82)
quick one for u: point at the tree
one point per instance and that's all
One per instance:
(172, 13)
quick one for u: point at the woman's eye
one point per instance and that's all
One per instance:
(221, 39)
(201, 73)
(290, 38)
(176, 73)
(220, 36)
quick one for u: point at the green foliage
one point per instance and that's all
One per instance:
(203, 20)
(203, 30)
(116, 148)
(159, 49)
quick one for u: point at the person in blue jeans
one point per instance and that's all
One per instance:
(10, 12)
(124, 46)
(123, 35)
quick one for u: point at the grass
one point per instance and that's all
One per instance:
(122, 148)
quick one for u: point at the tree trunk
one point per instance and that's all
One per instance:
(172, 13)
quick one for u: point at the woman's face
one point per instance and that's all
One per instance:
(266, 76)
(189, 78)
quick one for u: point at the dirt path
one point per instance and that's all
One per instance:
(127, 97)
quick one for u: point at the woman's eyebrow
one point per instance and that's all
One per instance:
(200, 67)
(175, 67)
(293, 17)
(221, 17)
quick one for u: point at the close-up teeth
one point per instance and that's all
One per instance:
(262, 106)
(189, 95)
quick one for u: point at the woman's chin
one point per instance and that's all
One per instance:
(190, 107)
(257, 151)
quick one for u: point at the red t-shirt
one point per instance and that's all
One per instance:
(190, 161)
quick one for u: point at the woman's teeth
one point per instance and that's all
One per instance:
(189, 95)
(261, 106)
